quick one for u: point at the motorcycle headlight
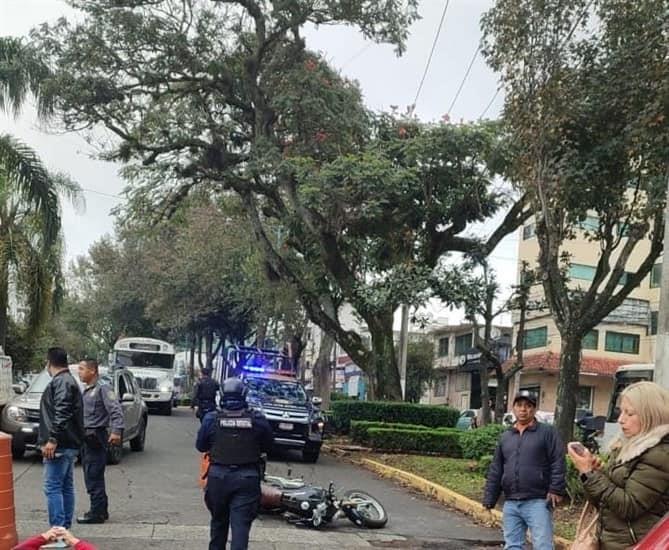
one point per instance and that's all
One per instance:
(17, 414)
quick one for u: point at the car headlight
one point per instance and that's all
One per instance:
(166, 388)
(17, 414)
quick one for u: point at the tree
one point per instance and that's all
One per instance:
(30, 223)
(586, 93)
(225, 95)
(420, 369)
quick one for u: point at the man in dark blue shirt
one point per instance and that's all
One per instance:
(235, 438)
(204, 397)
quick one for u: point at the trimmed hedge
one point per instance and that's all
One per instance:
(445, 441)
(393, 412)
(481, 441)
(359, 431)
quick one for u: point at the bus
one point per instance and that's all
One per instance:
(626, 375)
(151, 362)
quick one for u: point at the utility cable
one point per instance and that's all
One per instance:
(464, 79)
(429, 59)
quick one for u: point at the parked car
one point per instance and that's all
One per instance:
(20, 417)
(467, 420)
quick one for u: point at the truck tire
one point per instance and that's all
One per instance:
(167, 408)
(310, 454)
(137, 442)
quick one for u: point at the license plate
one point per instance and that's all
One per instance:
(285, 426)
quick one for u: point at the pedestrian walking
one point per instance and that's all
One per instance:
(235, 438)
(631, 492)
(60, 436)
(103, 425)
(529, 467)
(204, 396)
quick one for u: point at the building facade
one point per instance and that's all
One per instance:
(626, 336)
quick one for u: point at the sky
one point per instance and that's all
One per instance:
(385, 80)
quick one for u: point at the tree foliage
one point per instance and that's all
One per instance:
(587, 91)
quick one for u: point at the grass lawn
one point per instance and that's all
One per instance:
(461, 476)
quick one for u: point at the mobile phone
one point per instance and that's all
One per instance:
(578, 448)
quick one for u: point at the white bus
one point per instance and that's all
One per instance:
(625, 376)
(151, 362)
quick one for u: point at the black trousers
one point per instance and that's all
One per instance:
(94, 462)
(233, 502)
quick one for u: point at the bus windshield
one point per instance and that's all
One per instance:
(623, 379)
(143, 359)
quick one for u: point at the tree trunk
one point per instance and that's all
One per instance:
(382, 370)
(322, 380)
(209, 347)
(485, 392)
(191, 362)
(199, 351)
(4, 304)
(261, 331)
(570, 366)
(500, 395)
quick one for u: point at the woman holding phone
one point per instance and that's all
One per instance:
(632, 491)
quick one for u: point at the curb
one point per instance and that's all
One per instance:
(447, 496)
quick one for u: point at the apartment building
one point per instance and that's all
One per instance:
(456, 364)
(626, 336)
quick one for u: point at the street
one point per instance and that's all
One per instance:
(155, 503)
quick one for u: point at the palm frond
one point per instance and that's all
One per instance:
(70, 190)
(22, 73)
(23, 169)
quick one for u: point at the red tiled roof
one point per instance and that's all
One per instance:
(549, 361)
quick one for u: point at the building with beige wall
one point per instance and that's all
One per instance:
(457, 382)
(626, 336)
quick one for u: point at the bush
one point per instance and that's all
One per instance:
(339, 396)
(574, 483)
(360, 428)
(483, 464)
(482, 441)
(445, 441)
(393, 412)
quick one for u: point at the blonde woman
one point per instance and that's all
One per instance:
(632, 491)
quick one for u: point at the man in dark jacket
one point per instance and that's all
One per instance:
(235, 438)
(204, 397)
(61, 434)
(529, 466)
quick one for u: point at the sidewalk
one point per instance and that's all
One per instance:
(113, 536)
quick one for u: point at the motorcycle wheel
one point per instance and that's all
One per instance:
(372, 512)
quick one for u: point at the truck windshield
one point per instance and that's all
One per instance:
(624, 379)
(145, 360)
(276, 389)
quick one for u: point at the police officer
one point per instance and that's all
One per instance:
(205, 394)
(235, 438)
(102, 410)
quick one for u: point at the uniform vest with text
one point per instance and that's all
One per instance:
(236, 441)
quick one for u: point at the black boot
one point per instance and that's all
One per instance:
(88, 517)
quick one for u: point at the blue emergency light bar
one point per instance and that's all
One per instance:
(257, 360)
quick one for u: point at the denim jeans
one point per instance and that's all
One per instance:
(521, 515)
(59, 487)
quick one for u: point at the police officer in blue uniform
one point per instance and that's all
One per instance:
(235, 438)
(102, 411)
(205, 394)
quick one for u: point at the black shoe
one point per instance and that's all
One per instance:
(88, 518)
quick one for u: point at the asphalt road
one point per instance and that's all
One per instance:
(155, 503)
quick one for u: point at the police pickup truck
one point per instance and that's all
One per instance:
(273, 389)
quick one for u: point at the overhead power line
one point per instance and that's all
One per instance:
(429, 59)
(464, 79)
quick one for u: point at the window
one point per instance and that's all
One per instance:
(532, 390)
(462, 381)
(529, 231)
(583, 272)
(591, 223)
(653, 322)
(656, 276)
(584, 397)
(621, 342)
(440, 388)
(122, 389)
(591, 340)
(535, 338)
(443, 346)
(463, 343)
(624, 278)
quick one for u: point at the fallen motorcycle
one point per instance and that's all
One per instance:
(313, 506)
